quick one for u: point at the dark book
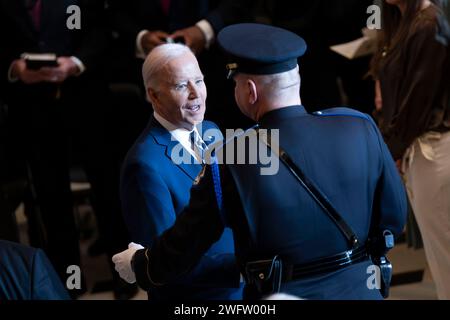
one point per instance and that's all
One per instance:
(175, 40)
(35, 61)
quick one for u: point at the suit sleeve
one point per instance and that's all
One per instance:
(148, 210)
(390, 203)
(8, 52)
(147, 204)
(181, 247)
(46, 284)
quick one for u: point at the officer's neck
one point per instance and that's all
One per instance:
(275, 105)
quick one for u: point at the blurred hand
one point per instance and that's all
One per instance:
(20, 71)
(65, 69)
(152, 39)
(122, 262)
(193, 38)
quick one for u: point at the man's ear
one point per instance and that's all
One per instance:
(152, 96)
(252, 92)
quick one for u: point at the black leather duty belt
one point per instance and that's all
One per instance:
(324, 265)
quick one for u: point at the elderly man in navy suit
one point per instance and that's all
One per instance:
(161, 166)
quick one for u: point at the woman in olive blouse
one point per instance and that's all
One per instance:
(412, 73)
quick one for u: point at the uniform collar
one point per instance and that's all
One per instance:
(275, 116)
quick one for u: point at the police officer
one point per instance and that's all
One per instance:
(301, 227)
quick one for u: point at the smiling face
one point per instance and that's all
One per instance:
(180, 96)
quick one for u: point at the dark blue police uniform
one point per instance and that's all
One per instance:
(340, 150)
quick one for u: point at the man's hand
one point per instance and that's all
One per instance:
(193, 38)
(152, 39)
(122, 262)
(19, 71)
(65, 69)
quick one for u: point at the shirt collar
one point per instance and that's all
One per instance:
(180, 134)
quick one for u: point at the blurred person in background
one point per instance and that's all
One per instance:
(58, 114)
(412, 75)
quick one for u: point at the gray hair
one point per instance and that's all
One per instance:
(275, 84)
(158, 58)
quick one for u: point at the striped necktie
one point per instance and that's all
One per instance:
(198, 145)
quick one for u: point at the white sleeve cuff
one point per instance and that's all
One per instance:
(207, 30)
(11, 78)
(139, 50)
(79, 64)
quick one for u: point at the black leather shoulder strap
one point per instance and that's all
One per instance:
(315, 193)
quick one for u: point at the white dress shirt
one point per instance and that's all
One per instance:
(181, 135)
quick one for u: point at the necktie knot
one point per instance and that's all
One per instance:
(197, 144)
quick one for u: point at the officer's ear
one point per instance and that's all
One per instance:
(252, 92)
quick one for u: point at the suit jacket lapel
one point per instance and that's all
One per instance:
(164, 138)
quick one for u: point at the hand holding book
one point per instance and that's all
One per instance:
(65, 68)
(35, 69)
(35, 61)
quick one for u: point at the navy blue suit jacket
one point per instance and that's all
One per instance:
(342, 151)
(154, 190)
(129, 18)
(27, 274)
